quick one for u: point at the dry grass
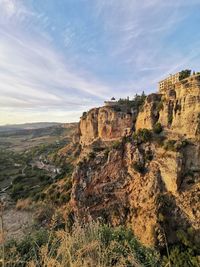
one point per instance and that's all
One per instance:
(91, 245)
(23, 204)
(80, 248)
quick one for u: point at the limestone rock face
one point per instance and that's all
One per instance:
(147, 185)
(105, 123)
(88, 127)
(149, 114)
(108, 186)
(178, 110)
(114, 125)
(181, 115)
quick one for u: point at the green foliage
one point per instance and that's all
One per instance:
(181, 144)
(106, 152)
(92, 155)
(157, 128)
(28, 248)
(143, 135)
(184, 74)
(66, 170)
(170, 118)
(138, 167)
(84, 115)
(30, 185)
(116, 145)
(126, 244)
(96, 243)
(64, 198)
(118, 108)
(137, 102)
(174, 145)
(160, 105)
(97, 148)
(180, 256)
(148, 155)
(110, 247)
(185, 252)
(170, 145)
(161, 217)
(164, 201)
(68, 184)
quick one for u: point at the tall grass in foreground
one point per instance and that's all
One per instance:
(93, 245)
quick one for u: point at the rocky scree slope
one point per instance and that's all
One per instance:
(141, 166)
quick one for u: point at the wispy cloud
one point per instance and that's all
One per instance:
(67, 57)
(34, 71)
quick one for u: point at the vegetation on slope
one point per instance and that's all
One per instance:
(93, 244)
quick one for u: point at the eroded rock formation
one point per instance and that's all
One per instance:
(151, 185)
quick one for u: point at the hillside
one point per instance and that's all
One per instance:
(26, 126)
(139, 165)
(27, 167)
(126, 179)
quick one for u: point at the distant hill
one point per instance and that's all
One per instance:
(27, 126)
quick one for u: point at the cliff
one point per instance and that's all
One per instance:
(139, 165)
(106, 123)
(178, 110)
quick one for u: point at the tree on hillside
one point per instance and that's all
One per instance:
(184, 74)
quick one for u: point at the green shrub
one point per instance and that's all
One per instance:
(18, 253)
(182, 144)
(143, 135)
(92, 155)
(138, 167)
(185, 252)
(170, 145)
(98, 148)
(106, 152)
(68, 184)
(160, 106)
(180, 256)
(170, 118)
(93, 243)
(184, 74)
(148, 155)
(116, 145)
(126, 244)
(65, 198)
(157, 128)
(84, 115)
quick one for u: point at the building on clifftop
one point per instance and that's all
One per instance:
(169, 82)
(181, 80)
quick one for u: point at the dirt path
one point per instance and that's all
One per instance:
(16, 223)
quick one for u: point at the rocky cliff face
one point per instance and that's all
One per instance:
(106, 123)
(178, 110)
(149, 181)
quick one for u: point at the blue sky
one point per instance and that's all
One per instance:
(59, 58)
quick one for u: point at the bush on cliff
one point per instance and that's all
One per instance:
(170, 145)
(138, 167)
(117, 145)
(157, 128)
(92, 244)
(143, 135)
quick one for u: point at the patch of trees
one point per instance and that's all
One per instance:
(137, 102)
(184, 74)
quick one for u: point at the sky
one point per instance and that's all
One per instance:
(59, 58)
